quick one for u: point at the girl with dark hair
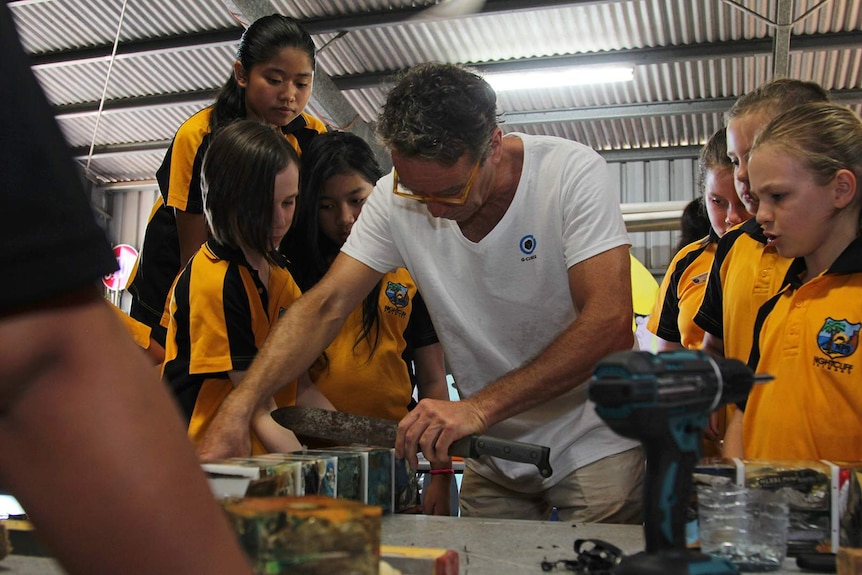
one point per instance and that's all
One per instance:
(271, 82)
(369, 366)
(233, 290)
(693, 224)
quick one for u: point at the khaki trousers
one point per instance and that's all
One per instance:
(607, 491)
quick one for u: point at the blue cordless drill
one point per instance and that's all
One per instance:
(664, 401)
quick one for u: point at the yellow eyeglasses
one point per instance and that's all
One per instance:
(458, 200)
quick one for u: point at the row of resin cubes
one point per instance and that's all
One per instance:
(369, 475)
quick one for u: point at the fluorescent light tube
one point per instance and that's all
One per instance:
(552, 78)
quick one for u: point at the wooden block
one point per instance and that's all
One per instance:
(23, 539)
(311, 535)
(421, 560)
(5, 545)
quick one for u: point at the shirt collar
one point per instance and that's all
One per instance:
(753, 229)
(295, 125)
(235, 255)
(848, 262)
(713, 236)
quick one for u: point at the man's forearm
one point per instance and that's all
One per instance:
(298, 338)
(556, 370)
(601, 292)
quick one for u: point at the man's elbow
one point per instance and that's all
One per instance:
(626, 337)
(616, 333)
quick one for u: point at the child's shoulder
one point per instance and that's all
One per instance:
(196, 126)
(745, 240)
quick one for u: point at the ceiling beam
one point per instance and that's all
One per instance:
(635, 56)
(781, 39)
(108, 150)
(590, 113)
(710, 106)
(650, 154)
(583, 114)
(228, 36)
(200, 98)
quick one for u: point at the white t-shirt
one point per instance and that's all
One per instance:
(497, 303)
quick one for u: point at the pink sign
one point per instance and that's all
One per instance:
(126, 256)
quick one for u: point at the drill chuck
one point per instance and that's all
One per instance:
(685, 379)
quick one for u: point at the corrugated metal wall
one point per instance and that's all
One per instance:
(655, 181)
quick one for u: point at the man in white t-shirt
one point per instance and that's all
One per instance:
(520, 252)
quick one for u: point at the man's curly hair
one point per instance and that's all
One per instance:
(438, 112)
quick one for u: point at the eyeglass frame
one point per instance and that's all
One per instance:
(459, 200)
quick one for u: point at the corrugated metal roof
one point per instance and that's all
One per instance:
(54, 25)
(142, 75)
(691, 57)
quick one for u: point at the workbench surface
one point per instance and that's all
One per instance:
(485, 546)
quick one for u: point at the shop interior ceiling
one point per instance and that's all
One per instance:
(122, 75)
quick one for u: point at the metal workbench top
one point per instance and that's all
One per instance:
(485, 546)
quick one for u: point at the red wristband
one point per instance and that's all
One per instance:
(447, 471)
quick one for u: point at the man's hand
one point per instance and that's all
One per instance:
(227, 436)
(432, 427)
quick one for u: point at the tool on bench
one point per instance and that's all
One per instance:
(348, 428)
(664, 401)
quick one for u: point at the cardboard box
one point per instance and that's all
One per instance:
(807, 487)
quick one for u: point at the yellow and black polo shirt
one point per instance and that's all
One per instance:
(808, 338)
(746, 272)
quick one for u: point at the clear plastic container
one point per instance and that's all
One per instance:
(743, 525)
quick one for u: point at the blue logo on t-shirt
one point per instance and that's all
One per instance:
(528, 244)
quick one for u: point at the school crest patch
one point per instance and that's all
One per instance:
(397, 294)
(838, 337)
